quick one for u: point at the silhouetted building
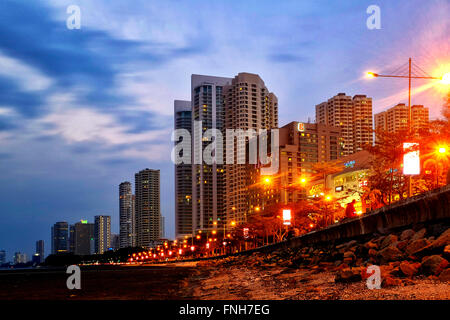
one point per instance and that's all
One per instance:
(2, 257)
(60, 237)
(84, 238)
(115, 241)
(40, 251)
(20, 258)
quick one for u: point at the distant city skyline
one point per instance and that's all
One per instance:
(83, 110)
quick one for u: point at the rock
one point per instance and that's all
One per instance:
(443, 240)
(370, 245)
(445, 276)
(447, 252)
(419, 234)
(409, 269)
(390, 254)
(389, 240)
(416, 246)
(391, 282)
(433, 265)
(373, 253)
(348, 275)
(407, 234)
(349, 257)
(401, 245)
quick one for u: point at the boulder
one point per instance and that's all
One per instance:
(389, 240)
(390, 253)
(443, 240)
(401, 245)
(446, 252)
(416, 246)
(348, 275)
(433, 265)
(409, 269)
(445, 275)
(419, 234)
(407, 234)
(370, 245)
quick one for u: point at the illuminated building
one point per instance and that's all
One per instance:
(183, 175)
(352, 115)
(350, 183)
(301, 146)
(147, 206)
(127, 216)
(102, 233)
(396, 119)
(84, 243)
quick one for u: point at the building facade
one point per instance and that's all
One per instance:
(20, 258)
(147, 207)
(40, 251)
(396, 119)
(127, 216)
(2, 257)
(208, 180)
(183, 174)
(102, 233)
(302, 145)
(353, 116)
(248, 105)
(60, 237)
(84, 242)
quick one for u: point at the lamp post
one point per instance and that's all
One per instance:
(445, 79)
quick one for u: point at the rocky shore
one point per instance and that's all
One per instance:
(414, 264)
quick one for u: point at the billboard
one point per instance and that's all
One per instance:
(411, 158)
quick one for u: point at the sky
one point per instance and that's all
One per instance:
(82, 110)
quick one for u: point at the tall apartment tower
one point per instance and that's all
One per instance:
(127, 216)
(40, 250)
(147, 206)
(60, 237)
(183, 174)
(248, 105)
(84, 240)
(102, 233)
(208, 180)
(352, 115)
(396, 119)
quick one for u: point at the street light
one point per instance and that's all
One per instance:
(444, 79)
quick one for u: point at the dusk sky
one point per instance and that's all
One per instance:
(83, 110)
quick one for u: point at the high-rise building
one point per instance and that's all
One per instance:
(60, 237)
(396, 119)
(127, 215)
(248, 105)
(40, 250)
(208, 180)
(353, 116)
(2, 257)
(115, 241)
(183, 175)
(147, 203)
(102, 233)
(20, 258)
(302, 145)
(72, 239)
(84, 242)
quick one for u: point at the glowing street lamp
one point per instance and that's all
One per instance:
(328, 198)
(446, 78)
